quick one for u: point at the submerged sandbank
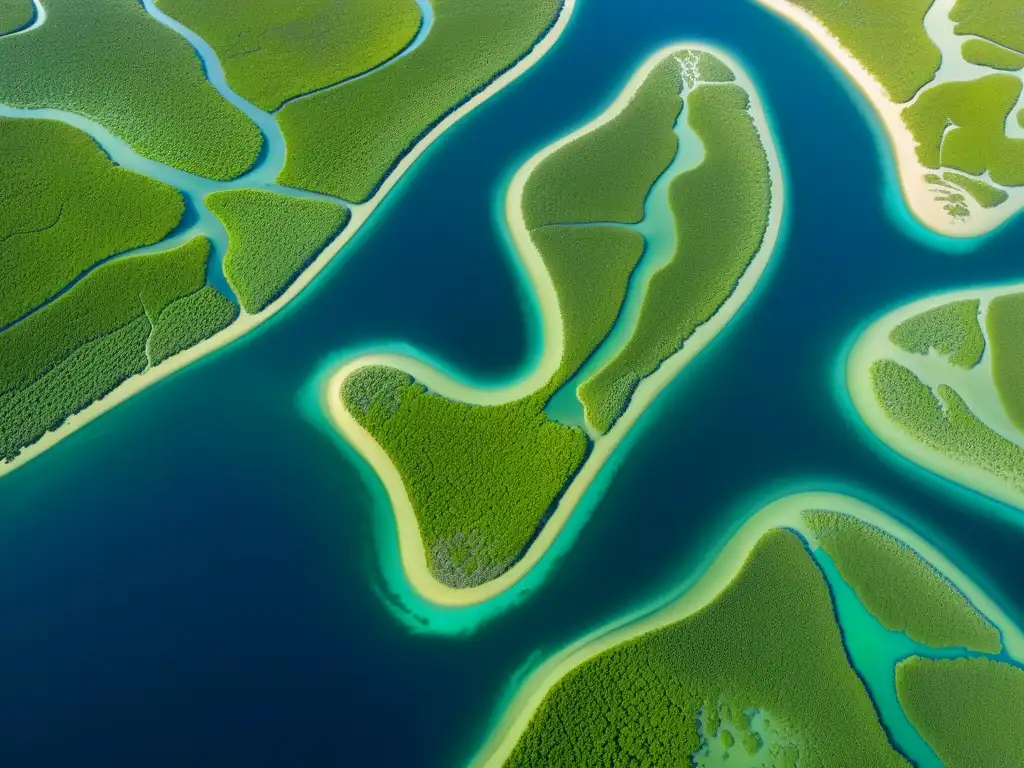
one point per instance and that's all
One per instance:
(786, 512)
(411, 548)
(360, 214)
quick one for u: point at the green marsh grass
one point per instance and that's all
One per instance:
(481, 479)
(998, 20)
(721, 210)
(605, 175)
(985, 194)
(968, 710)
(948, 426)
(75, 350)
(278, 49)
(978, 110)
(190, 320)
(112, 62)
(590, 268)
(345, 141)
(66, 206)
(1004, 322)
(109, 298)
(886, 36)
(952, 330)
(900, 589)
(986, 54)
(271, 239)
(769, 641)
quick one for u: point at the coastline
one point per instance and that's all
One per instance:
(411, 549)
(786, 512)
(359, 215)
(872, 344)
(914, 190)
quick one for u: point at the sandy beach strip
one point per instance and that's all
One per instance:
(246, 322)
(786, 512)
(917, 194)
(872, 345)
(412, 552)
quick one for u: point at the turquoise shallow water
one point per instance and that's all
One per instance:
(200, 577)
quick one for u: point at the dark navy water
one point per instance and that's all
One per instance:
(192, 579)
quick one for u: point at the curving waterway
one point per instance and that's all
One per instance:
(194, 577)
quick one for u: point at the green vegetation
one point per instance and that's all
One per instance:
(899, 588)
(189, 320)
(15, 14)
(605, 175)
(986, 195)
(272, 238)
(977, 110)
(66, 206)
(887, 37)
(998, 20)
(481, 479)
(701, 66)
(952, 330)
(986, 54)
(769, 642)
(86, 375)
(283, 48)
(345, 141)
(110, 61)
(1005, 324)
(721, 211)
(968, 710)
(590, 268)
(96, 332)
(948, 427)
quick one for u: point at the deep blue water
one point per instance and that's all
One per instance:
(192, 579)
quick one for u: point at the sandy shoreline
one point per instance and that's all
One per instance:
(919, 200)
(785, 512)
(412, 552)
(246, 322)
(873, 344)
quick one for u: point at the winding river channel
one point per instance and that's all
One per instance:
(198, 576)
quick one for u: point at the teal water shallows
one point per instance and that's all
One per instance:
(195, 578)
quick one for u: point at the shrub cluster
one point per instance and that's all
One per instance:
(903, 591)
(721, 210)
(977, 110)
(111, 61)
(948, 427)
(346, 140)
(481, 479)
(605, 175)
(997, 20)
(952, 329)
(1004, 322)
(15, 14)
(65, 207)
(768, 642)
(986, 54)
(271, 239)
(887, 37)
(190, 320)
(968, 710)
(986, 195)
(278, 49)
